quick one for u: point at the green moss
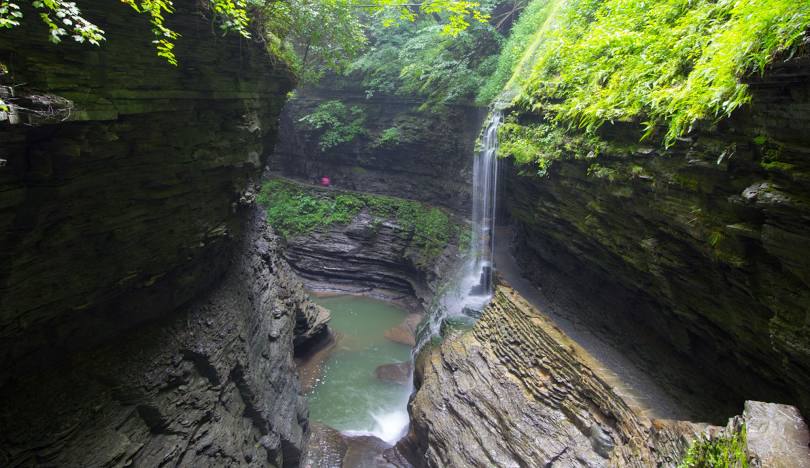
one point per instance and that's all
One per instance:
(663, 62)
(602, 172)
(292, 211)
(719, 452)
(295, 209)
(541, 143)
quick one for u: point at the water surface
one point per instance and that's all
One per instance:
(348, 396)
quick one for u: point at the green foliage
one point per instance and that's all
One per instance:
(602, 172)
(664, 62)
(295, 209)
(540, 143)
(420, 59)
(389, 137)
(313, 36)
(514, 48)
(293, 212)
(62, 18)
(530, 143)
(721, 452)
(297, 31)
(338, 124)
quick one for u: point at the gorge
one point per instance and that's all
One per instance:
(540, 233)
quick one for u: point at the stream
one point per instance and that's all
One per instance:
(348, 395)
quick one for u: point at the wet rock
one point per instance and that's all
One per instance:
(405, 332)
(328, 448)
(388, 264)
(399, 373)
(310, 363)
(325, 448)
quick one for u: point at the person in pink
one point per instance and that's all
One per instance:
(325, 181)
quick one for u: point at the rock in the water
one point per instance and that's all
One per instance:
(310, 363)
(399, 373)
(405, 332)
(328, 448)
(325, 448)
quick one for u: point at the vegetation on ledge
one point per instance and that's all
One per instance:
(726, 451)
(661, 62)
(295, 209)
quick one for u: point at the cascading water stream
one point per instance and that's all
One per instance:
(485, 189)
(473, 288)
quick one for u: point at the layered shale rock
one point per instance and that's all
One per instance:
(514, 391)
(122, 203)
(375, 253)
(430, 160)
(210, 385)
(141, 322)
(704, 245)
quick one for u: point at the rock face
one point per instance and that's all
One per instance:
(146, 315)
(211, 385)
(127, 209)
(431, 161)
(514, 391)
(705, 244)
(369, 254)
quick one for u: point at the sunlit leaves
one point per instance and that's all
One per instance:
(62, 18)
(325, 33)
(663, 62)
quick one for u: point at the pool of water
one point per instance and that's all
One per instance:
(348, 396)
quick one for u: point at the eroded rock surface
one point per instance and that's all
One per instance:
(125, 206)
(371, 255)
(514, 391)
(211, 385)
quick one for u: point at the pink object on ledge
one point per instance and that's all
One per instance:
(325, 181)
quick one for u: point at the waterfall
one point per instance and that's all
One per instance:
(472, 289)
(485, 189)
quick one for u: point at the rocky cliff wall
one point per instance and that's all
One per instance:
(123, 203)
(384, 246)
(704, 244)
(212, 384)
(147, 316)
(429, 161)
(515, 391)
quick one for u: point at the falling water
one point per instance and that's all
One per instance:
(485, 180)
(473, 288)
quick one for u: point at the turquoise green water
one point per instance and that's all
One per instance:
(348, 396)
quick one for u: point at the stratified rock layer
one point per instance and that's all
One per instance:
(141, 323)
(211, 385)
(373, 254)
(514, 391)
(125, 210)
(705, 245)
